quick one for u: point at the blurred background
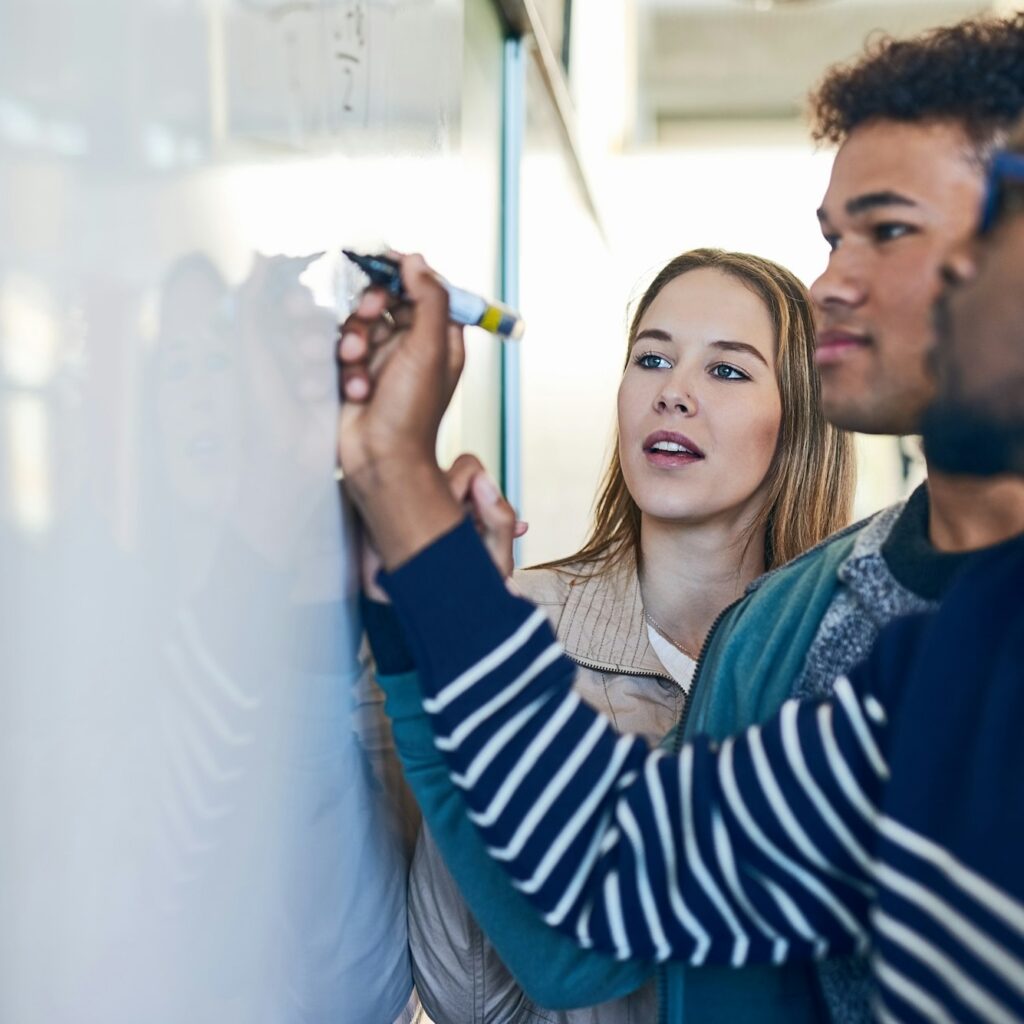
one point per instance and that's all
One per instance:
(199, 818)
(685, 127)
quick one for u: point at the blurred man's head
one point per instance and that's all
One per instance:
(976, 423)
(916, 122)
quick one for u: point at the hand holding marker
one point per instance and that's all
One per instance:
(464, 307)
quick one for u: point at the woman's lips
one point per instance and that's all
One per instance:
(666, 449)
(835, 346)
(667, 460)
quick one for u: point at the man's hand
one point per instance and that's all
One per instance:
(400, 363)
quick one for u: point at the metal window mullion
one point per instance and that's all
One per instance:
(513, 128)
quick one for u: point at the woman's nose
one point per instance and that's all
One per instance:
(676, 395)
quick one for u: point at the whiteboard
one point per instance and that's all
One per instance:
(197, 824)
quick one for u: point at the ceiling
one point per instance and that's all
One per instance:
(714, 60)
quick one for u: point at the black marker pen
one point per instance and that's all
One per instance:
(464, 307)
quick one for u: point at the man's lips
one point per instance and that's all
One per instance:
(836, 345)
(668, 450)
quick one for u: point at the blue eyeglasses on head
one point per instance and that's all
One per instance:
(1006, 169)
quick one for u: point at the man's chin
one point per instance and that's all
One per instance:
(863, 418)
(960, 441)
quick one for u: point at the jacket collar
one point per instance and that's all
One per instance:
(865, 570)
(603, 623)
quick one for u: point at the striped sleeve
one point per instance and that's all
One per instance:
(753, 851)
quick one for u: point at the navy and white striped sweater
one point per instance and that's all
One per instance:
(890, 818)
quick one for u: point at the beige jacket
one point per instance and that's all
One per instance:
(600, 623)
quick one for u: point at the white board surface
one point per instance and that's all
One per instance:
(196, 826)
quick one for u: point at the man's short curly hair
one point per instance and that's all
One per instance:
(971, 72)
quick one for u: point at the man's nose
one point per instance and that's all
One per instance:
(840, 285)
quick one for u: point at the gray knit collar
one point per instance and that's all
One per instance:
(867, 548)
(867, 575)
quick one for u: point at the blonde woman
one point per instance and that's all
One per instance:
(723, 468)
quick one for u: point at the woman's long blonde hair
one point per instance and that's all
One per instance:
(810, 481)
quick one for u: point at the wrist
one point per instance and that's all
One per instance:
(382, 480)
(406, 505)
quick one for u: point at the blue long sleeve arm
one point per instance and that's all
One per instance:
(551, 967)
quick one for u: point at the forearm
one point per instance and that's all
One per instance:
(638, 854)
(550, 966)
(406, 507)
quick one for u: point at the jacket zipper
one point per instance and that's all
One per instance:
(660, 987)
(677, 742)
(698, 672)
(688, 696)
(620, 671)
(803, 556)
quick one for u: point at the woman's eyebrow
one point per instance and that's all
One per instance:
(654, 333)
(657, 334)
(739, 346)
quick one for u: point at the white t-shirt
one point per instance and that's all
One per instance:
(679, 666)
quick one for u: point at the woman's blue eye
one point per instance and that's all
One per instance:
(723, 371)
(652, 361)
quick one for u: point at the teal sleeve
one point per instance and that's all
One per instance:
(552, 969)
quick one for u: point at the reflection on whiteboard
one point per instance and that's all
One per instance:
(197, 797)
(203, 819)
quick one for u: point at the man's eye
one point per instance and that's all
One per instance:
(652, 361)
(832, 241)
(723, 371)
(891, 230)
